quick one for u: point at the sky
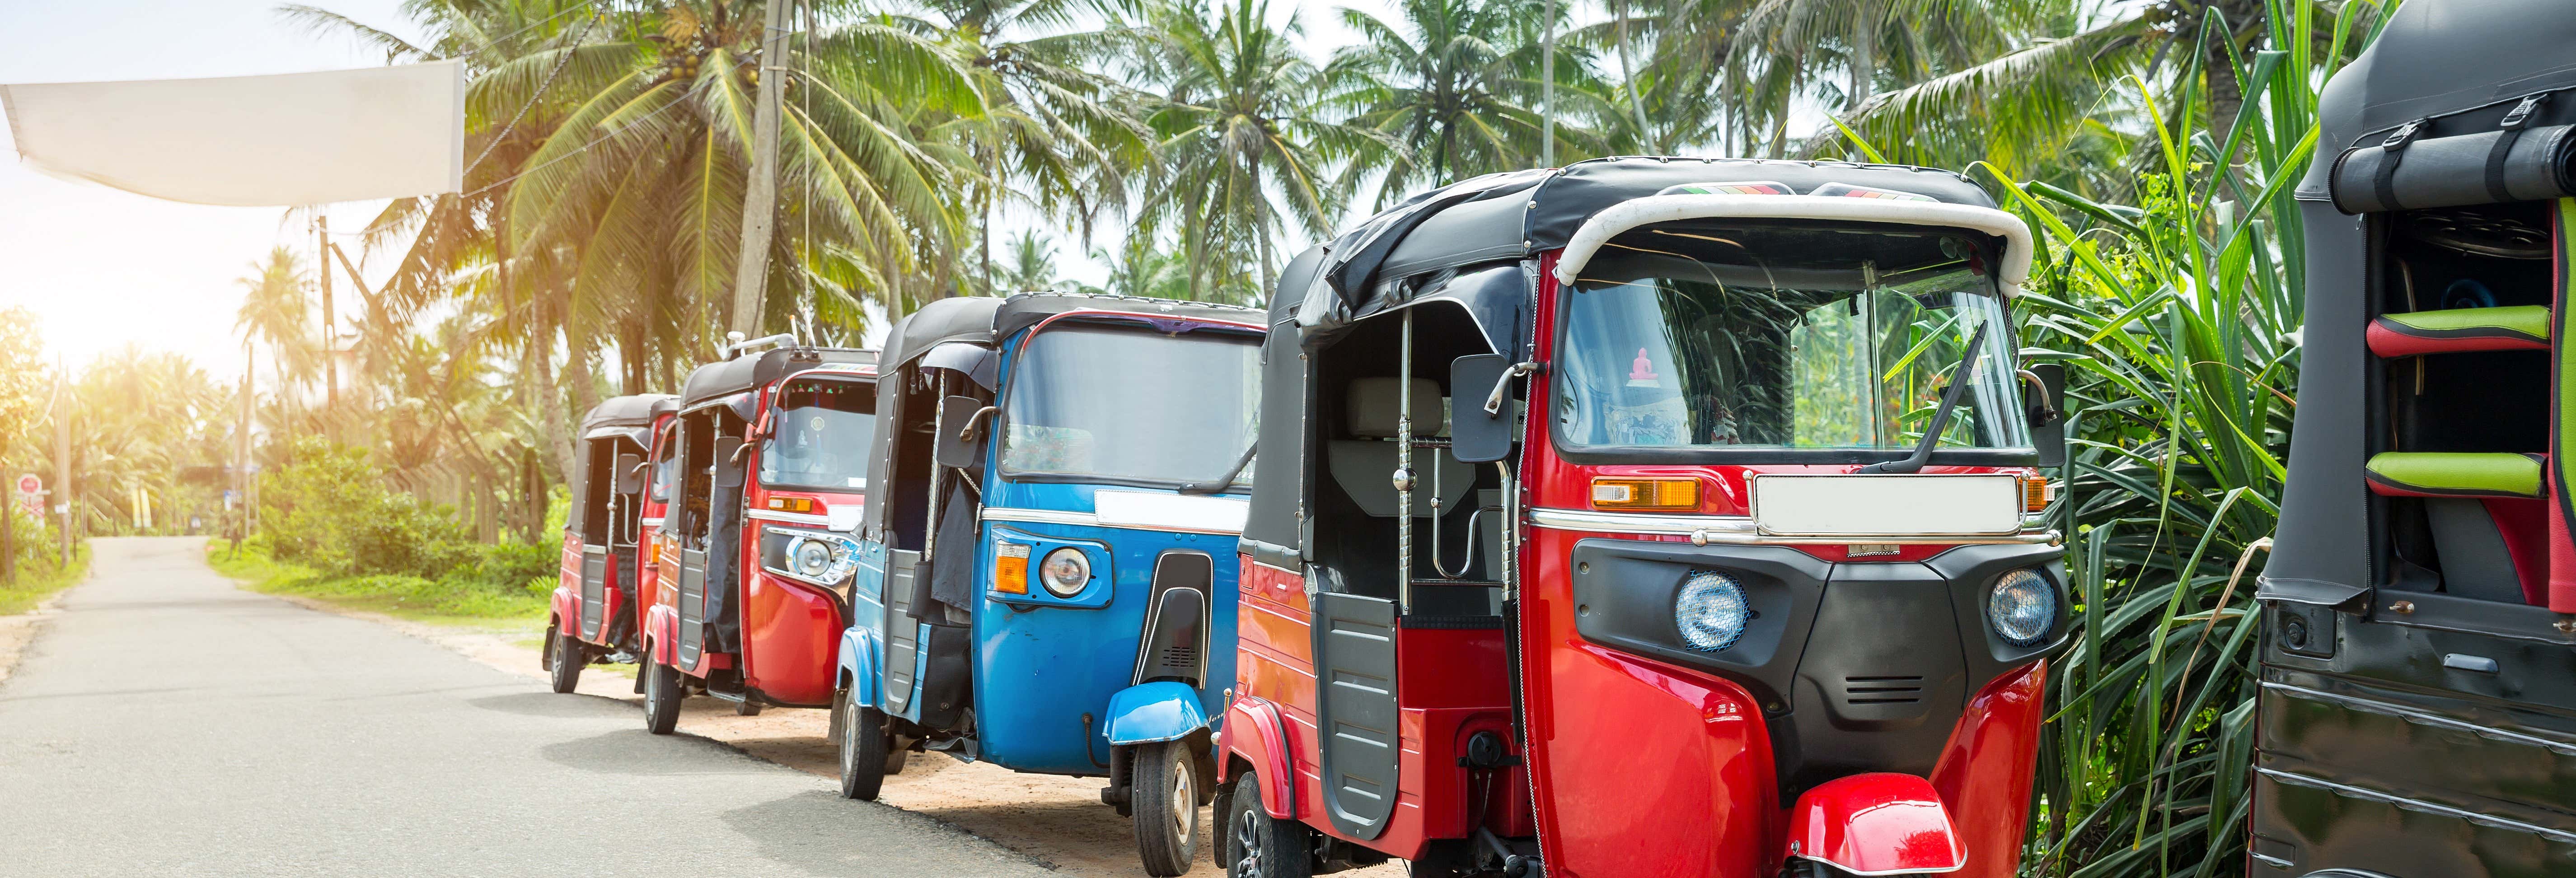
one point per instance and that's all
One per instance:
(102, 268)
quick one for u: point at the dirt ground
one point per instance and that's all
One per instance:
(1057, 820)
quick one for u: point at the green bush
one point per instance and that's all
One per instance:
(329, 510)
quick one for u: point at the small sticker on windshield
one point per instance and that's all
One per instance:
(857, 482)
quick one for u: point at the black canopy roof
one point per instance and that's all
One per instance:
(1449, 237)
(987, 320)
(717, 380)
(626, 412)
(2441, 57)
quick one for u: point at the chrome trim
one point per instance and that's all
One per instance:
(2274, 862)
(821, 521)
(1086, 519)
(2417, 805)
(2420, 718)
(1737, 530)
(792, 534)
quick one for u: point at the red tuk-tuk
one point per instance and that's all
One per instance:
(1647, 517)
(765, 468)
(596, 598)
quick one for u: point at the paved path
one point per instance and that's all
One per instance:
(167, 723)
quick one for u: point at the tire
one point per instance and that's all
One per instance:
(863, 752)
(746, 707)
(1256, 845)
(662, 693)
(565, 657)
(1165, 790)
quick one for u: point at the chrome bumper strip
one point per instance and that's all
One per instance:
(1738, 530)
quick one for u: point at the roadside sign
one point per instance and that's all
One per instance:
(29, 484)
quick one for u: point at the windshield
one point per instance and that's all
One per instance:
(1789, 336)
(1131, 405)
(822, 432)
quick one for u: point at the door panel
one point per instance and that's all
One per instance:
(693, 606)
(1355, 710)
(902, 632)
(594, 584)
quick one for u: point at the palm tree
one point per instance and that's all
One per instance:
(1455, 88)
(1058, 134)
(276, 310)
(1242, 140)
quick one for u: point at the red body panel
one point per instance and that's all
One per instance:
(1988, 766)
(791, 631)
(1451, 685)
(567, 594)
(1876, 824)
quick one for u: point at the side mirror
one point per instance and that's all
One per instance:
(1477, 435)
(960, 446)
(2044, 391)
(729, 470)
(630, 473)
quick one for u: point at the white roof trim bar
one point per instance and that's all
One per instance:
(1627, 215)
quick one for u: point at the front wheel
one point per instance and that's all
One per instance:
(863, 751)
(1257, 845)
(1166, 791)
(662, 693)
(564, 659)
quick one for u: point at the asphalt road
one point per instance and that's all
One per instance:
(167, 723)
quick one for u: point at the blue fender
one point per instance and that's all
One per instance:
(860, 658)
(1163, 710)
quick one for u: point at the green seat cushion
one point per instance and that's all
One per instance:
(2438, 474)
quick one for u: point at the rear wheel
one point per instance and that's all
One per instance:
(746, 707)
(564, 660)
(1166, 796)
(662, 693)
(863, 751)
(1258, 846)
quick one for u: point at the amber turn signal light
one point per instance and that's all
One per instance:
(794, 504)
(1645, 495)
(2036, 491)
(1011, 568)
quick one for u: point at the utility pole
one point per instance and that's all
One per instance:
(63, 459)
(330, 327)
(1547, 89)
(760, 199)
(241, 471)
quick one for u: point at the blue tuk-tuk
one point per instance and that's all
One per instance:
(1045, 579)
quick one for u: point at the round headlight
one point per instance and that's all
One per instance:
(1064, 572)
(1711, 611)
(811, 557)
(2022, 608)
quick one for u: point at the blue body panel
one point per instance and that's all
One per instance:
(1043, 664)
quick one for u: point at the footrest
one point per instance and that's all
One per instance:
(2461, 330)
(2434, 474)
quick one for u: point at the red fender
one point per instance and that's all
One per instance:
(1876, 824)
(1255, 731)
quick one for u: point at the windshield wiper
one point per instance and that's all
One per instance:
(1959, 379)
(1220, 483)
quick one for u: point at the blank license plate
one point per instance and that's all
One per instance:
(1887, 505)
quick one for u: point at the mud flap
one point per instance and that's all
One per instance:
(945, 680)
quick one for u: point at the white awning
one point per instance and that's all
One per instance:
(294, 139)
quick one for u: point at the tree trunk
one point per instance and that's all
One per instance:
(2226, 93)
(1864, 56)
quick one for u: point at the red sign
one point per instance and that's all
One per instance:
(29, 484)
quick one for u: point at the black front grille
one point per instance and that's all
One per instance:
(1882, 690)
